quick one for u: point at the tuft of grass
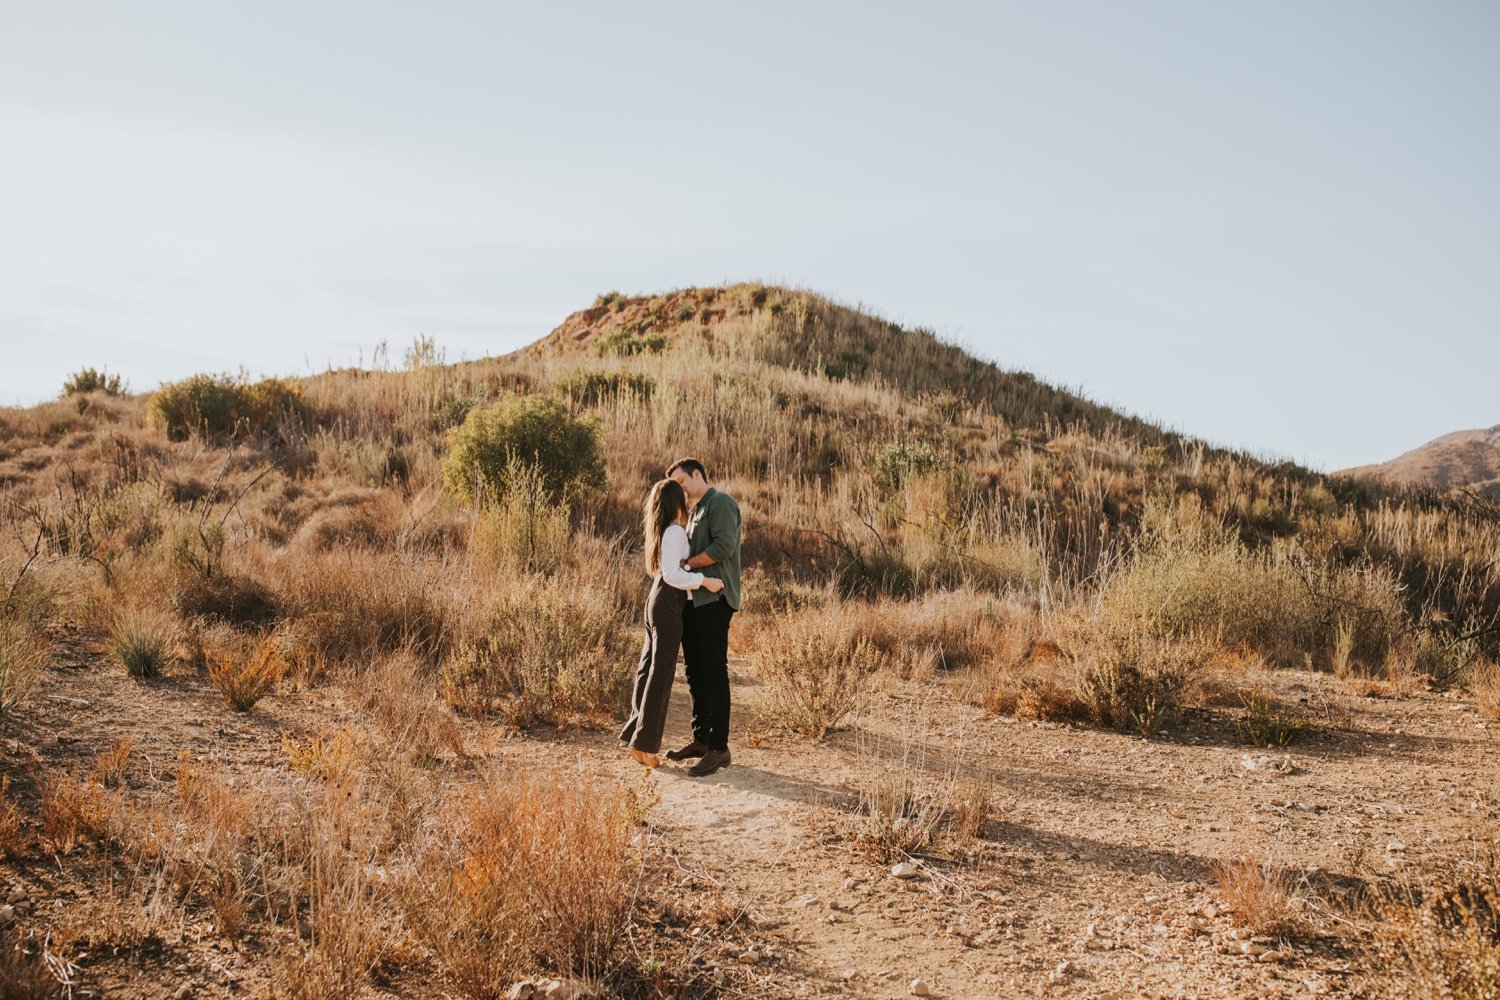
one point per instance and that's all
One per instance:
(72, 809)
(23, 653)
(816, 673)
(142, 642)
(1263, 896)
(246, 674)
(11, 838)
(110, 765)
(1268, 723)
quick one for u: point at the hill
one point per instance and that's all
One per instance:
(1461, 459)
(310, 685)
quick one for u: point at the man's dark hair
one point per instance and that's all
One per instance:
(689, 466)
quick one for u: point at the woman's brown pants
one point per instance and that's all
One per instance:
(653, 677)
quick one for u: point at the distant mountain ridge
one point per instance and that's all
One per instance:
(1464, 458)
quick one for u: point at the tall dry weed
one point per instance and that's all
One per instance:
(817, 670)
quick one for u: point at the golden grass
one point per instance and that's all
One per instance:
(1263, 896)
(246, 673)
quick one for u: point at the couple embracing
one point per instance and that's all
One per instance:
(693, 554)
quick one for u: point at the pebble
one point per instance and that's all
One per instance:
(7, 914)
(919, 988)
(183, 992)
(16, 895)
(904, 870)
(749, 957)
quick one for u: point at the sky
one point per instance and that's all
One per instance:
(1273, 225)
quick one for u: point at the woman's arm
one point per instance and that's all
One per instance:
(674, 549)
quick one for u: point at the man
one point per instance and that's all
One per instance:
(714, 536)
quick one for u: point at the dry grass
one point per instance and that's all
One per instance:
(817, 672)
(1443, 939)
(142, 641)
(23, 653)
(74, 809)
(1484, 683)
(1262, 896)
(538, 873)
(111, 765)
(246, 673)
(12, 838)
(549, 651)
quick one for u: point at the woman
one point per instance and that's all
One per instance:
(664, 518)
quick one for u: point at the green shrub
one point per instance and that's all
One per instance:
(535, 431)
(88, 380)
(593, 388)
(220, 404)
(625, 343)
(900, 460)
(1268, 723)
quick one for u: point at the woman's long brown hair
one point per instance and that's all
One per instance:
(665, 504)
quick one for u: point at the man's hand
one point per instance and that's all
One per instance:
(700, 560)
(713, 584)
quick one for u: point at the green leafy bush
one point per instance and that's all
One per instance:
(220, 404)
(89, 380)
(900, 459)
(536, 431)
(625, 343)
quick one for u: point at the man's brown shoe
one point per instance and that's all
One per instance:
(712, 761)
(692, 751)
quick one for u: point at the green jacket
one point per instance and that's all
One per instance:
(715, 528)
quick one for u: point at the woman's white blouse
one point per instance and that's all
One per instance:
(674, 549)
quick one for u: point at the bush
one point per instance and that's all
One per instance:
(535, 431)
(210, 405)
(627, 344)
(142, 642)
(246, 674)
(88, 380)
(817, 671)
(1135, 680)
(526, 530)
(545, 654)
(593, 388)
(900, 460)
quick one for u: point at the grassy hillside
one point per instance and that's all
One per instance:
(912, 513)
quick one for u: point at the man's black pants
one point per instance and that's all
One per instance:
(705, 652)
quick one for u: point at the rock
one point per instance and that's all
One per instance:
(850, 975)
(183, 992)
(919, 988)
(1064, 968)
(7, 915)
(749, 957)
(1210, 911)
(563, 989)
(16, 895)
(1393, 847)
(904, 870)
(803, 902)
(523, 990)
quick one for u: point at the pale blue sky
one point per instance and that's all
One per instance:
(1272, 224)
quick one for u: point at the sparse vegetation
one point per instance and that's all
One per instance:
(1263, 896)
(87, 380)
(217, 405)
